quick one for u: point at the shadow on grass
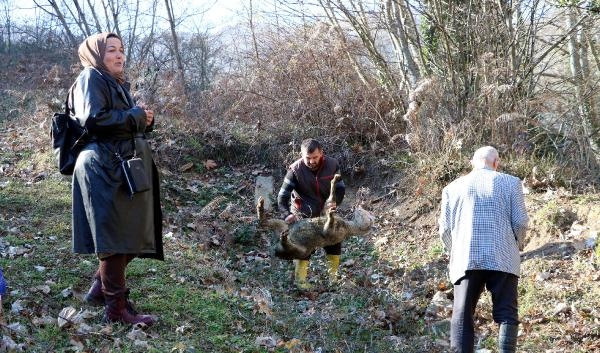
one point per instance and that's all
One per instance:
(550, 249)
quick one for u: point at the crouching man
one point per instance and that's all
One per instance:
(305, 189)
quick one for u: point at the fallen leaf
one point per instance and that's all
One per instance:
(66, 316)
(186, 167)
(348, 263)
(84, 328)
(76, 345)
(561, 308)
(263, 302)
(107, 330)
(136, 334)
(179, 347)
(17, 327)
(265, 341)
(43, 321)
(17, 306)
(292, 343)
(210, 164)
(381, 241)
(8, 345)
(41, 288)
(141, 344)
(193, 188)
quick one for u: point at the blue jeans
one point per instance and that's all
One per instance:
(467, 291)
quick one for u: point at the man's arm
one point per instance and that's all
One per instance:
(285, 193)
(519, 219)
(340, 191)
(444, 229)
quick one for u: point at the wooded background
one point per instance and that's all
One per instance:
(400, 80)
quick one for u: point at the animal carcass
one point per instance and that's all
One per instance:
(299, 239)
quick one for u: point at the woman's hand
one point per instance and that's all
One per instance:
(149, 114)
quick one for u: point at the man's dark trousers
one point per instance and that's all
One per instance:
(467, 291)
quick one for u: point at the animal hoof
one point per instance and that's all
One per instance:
(284, 234)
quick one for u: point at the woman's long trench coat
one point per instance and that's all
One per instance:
(106, 218)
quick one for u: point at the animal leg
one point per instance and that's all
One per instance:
(289, 246)
(260, 211)
(329, 223)
(271, 223)
(334, 181)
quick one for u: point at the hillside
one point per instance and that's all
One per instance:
(220, 290)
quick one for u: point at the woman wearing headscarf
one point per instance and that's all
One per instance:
(107, 220)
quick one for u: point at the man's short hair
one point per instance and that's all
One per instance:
(484, 155)
(310, 145)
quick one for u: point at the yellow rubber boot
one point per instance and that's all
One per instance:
(333, 262)
(300, 273)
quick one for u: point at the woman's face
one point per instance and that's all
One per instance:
(114, 58)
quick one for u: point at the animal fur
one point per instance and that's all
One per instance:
(299, 239)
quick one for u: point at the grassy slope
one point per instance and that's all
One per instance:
(220, 291)
(213, 298)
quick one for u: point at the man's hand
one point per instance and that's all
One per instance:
(330, 205)
(521, 244)
(291, 218)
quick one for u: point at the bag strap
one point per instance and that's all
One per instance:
(69, 92)
(84, 137)
(118, 155)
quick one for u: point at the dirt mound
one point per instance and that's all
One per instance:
(561, 221)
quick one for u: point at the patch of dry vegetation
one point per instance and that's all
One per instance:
(221, 289)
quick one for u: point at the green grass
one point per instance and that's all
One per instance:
(211, 297)
(204, 298)
(44, 205)
(36, 217)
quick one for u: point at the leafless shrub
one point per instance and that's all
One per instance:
(302, 85)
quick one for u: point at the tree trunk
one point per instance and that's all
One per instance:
(175, 49)
(360, 25)
(105, 6)
(63, 22)
(149, 40)
(252, 30)
(95, 16)
(5, 43)
(335, 23)
(395, 16)
(114, 10)
(81, 19)
(133, 32)
(580, 73)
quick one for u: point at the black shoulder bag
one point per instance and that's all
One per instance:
(68, 138)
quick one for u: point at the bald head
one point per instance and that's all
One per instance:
(485, 156)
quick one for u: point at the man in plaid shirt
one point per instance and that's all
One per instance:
(483, 222)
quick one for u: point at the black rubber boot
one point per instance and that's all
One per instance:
(507, 338)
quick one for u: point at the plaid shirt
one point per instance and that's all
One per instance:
(483, 221)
